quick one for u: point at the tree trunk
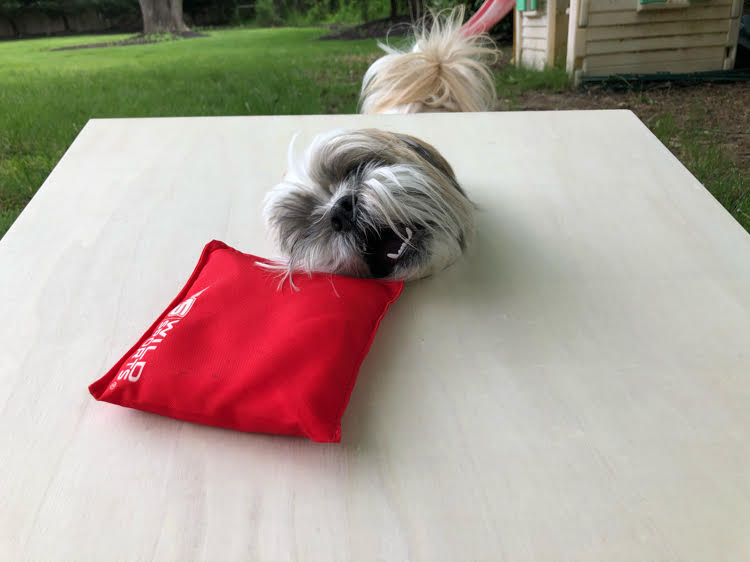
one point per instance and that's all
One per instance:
(16, 32)
(415, 11)
(161, 16)
(394, 9)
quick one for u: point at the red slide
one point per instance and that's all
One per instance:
(491, 12)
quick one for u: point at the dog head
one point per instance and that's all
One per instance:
(445, 70)
(369, 203)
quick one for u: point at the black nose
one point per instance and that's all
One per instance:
(342, 214)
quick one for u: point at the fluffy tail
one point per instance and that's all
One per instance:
(444, 71)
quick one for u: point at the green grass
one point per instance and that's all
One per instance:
(701, 150)
(47, 96)
(513, 81)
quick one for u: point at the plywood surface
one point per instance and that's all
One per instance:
(576, 389)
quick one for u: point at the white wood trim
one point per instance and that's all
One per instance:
(576, 41)
(570, 54)
(583, 14)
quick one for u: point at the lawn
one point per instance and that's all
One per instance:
(47, 96)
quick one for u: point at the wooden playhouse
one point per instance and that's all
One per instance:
(598, 38)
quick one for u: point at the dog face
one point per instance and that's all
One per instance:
(369, 203)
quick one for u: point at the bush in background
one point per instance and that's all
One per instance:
(57, 16)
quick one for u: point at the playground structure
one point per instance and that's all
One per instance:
(600, 38)
(489, 13)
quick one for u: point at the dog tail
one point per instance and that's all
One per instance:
(444, 71)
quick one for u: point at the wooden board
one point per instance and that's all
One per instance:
(533, 58)
(656, 43)
(622, 5)
(676, 56)
(540, 21)
(535, 32)
(630, 17)
(576, 42)
(594, 67)
(576, 388)
(534, 44)
(684, 28)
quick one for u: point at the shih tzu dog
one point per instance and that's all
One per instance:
(371, 203)
(445, 69)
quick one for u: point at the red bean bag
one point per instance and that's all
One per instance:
(236, 349)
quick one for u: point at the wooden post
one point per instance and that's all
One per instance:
(577, 22)
(551, 32)
(570, 62)
(517, 39)
(733, 35)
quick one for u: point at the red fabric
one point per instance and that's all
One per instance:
(234, 350)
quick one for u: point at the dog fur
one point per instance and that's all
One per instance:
(443, 70)
(369, 203)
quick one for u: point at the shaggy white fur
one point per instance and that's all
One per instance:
(369, 203)
(442, 71)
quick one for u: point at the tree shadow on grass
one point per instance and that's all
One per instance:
(140, 39)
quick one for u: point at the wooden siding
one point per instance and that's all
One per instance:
(533, 39)
(536, 42)
(631, 16)
(613, 37)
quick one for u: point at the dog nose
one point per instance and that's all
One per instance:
(342, 214)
